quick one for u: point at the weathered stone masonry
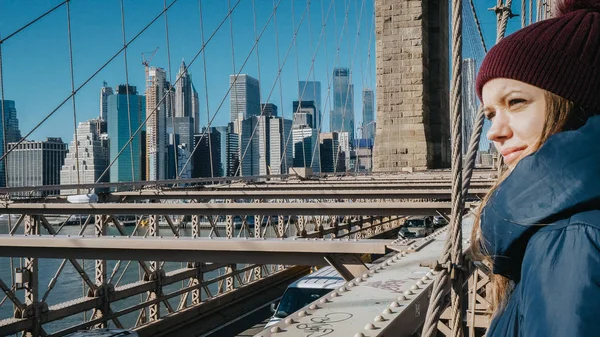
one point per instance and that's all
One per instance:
(413, 124)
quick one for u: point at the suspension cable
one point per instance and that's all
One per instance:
(300, 96)
(231, 85)
(33, 21)
(73, 92)
(164, 96)
(84, 83)
(127, 96)
(322, 35)
(278, 74)
(206, 97)
(169, 96)
(4, 145)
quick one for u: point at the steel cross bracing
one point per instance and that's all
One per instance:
(104, 291)
(390, 299)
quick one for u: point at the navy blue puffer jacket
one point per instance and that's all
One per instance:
(542, 229)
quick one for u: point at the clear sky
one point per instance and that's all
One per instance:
(37, 70)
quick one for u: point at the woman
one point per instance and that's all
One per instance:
(540, 226)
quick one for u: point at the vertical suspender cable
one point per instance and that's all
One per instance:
(73, 92)
(212, 174)
(127, 91)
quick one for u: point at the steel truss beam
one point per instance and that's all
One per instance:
(309, 252)
(367, 208)
(299, 194)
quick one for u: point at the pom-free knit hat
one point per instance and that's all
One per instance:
(560, 55)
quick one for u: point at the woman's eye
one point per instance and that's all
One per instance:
(515, 101)
(489, 115)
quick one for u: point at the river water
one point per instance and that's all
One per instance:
(69, 285)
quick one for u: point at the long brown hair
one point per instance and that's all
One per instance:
(561, 115)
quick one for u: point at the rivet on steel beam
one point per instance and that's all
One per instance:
(388, 311)
(324, 300)
(335, 294)
(313, 307)
(425, 278)
(365, 275)
(415, 287)
(429, 274)
(359, 334)
(303, 313)
(351, 284)
(289, 321)
(408, 292)
(276, 329)
(394, 304)
(420, 283)
(342, 289)
(370, 326)
(379, 318)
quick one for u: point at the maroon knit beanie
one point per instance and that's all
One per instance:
(560, 55)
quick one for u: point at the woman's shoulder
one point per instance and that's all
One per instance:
(589, 220)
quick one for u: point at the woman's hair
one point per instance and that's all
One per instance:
(561, 115)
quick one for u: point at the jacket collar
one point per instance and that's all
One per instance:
(558, 180)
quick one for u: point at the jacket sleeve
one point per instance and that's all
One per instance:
(561, 283)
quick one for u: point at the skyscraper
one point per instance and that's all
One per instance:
(158, 106)
(311, 91)
(105, 91)
(244, 99)
(92, 156)
(254, 149)
(305, 136)
(342, 118)
(305, 113)
(122, 124)
(281, 153)
(195, 109)
(35, 163)
(223, 148)
(207, 158)
(183, 93)
(306, 148)
(368, 127)
(268, 150)
(268, 109)
(13, 134)
(469, 99)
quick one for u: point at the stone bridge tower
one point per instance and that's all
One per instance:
(413, 118)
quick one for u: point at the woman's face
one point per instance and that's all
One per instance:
(517, 111)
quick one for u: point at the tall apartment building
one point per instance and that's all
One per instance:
(105, 91)
(368, 123)
(91, 160)
(311, 91)
(122, 124)
(35, 163)
(158, 107)
(208, 159)
(244, 99)
(332, 159)
(342, 117)
(281, 147)
(13, 134)
(266, 147)
(195, 109)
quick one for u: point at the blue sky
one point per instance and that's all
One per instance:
(36, 61)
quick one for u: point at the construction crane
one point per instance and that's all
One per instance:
(146, 63)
